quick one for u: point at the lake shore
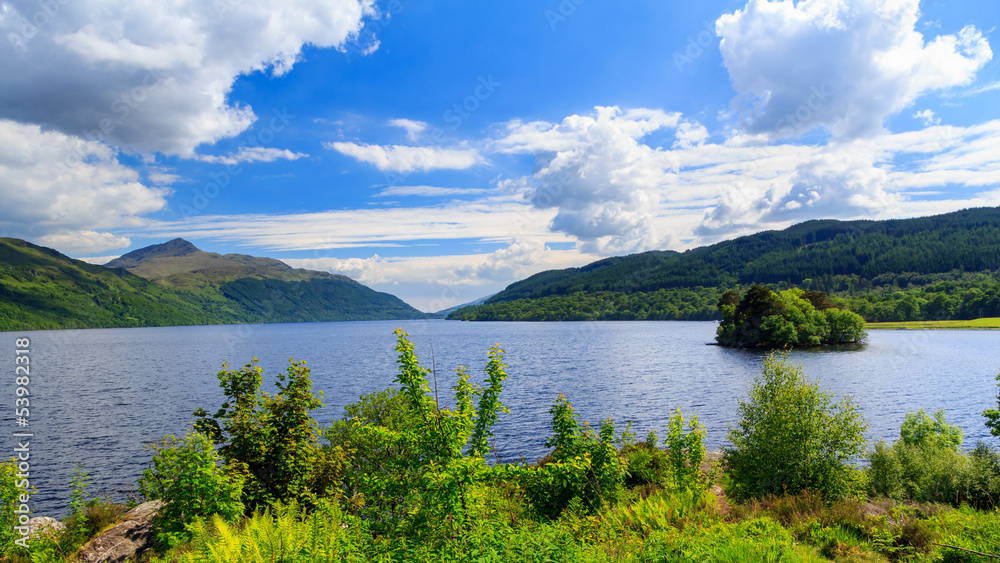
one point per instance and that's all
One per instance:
(991, 323)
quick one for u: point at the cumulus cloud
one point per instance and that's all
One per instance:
(154, 76)
(399, 158)
(68, 193)
(510, 263)
(413, 128)
(602, 180)
(253, 154)
(927, 116)
(842, 64)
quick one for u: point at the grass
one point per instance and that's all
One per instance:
(985, 323)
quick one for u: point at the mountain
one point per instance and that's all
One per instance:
(178, 263)
(175, 283)
(884, 270)
(446, 312)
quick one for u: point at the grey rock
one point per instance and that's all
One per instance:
(127, 540)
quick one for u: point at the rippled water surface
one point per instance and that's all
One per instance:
(97, 396)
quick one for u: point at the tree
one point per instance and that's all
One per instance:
(993, 415)
(792, 437)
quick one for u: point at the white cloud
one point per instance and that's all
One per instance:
(433, 283)
(99, 260)
(842, 64)
(155, 76)
(68, 193)
(398, 158)
(84, 242)
(602, 180)
(510, 263)
(487, 220)
(253, 154)
(427, 191)
(413, 128)
(927, 116)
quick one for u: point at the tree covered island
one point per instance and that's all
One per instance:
(794, 317)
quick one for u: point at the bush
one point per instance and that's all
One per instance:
(189, 477)
(993, 415)
(926, 465)
(10, 496)
(404, 454)
(792, 437)
(273, 436)
(584, 465)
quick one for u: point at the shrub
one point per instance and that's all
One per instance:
(10, 496)
(273, 436)
(584, 465)
(993, 415)
(189, 477)
(793, 437)
(405, 454)
(925, 464)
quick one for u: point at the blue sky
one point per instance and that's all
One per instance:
(442, 150)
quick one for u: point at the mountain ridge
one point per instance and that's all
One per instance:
(41, 288)
(849, 257)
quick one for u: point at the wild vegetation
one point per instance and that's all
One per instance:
(940, 267)
(403, 478)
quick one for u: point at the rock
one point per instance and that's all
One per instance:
(44, 525)
(127, 540)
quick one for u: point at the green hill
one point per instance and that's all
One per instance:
(945, 266)
(43, 289)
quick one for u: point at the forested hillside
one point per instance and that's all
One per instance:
(43, 289)
(945, 266)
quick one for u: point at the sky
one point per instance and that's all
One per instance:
(440, 151)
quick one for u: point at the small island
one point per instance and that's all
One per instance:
(790, 318)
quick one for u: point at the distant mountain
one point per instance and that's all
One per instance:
(873, 264)
(445, 312)
(175, 283)
(178, 263)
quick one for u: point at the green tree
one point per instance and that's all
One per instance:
(273, 436)
(792, 437)
(189, 476)
(993, 415)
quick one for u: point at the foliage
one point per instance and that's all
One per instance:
(188, 475)
(79, 483)
(404, 453)
(273, 437)
(792, 317)
(584, 466)
(926, 465)
(793, 437)
(919, 429)
(10, 516)
(993, 415)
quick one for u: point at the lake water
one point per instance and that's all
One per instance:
(98, 396)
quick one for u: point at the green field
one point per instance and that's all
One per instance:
(985, 323)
